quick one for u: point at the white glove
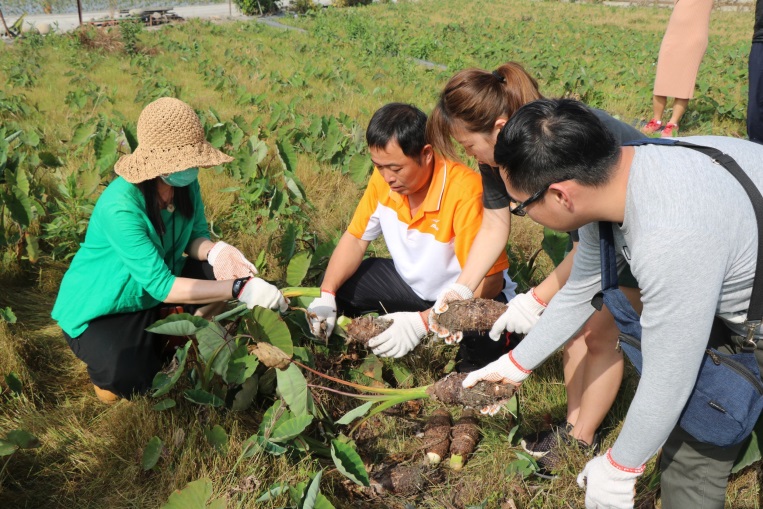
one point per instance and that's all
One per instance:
(453, 292)
(322, 311)
(401, 337)
(257, 292)
(505, 370)
(229, 263)
(607, 484)
(524, 311)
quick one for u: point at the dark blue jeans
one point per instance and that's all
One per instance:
(755, 94)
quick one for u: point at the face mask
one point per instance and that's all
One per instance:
(181, 178)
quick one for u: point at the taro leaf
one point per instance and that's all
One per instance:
(151, 453)
(294, 185)
(268, 326)
(164, 404)
(555, 244)
(259, 149)
(524, 465)
(267, 383)
(130, 136)
(359, 167)
(7, 448)
(32, 247)
(180, 324)
(23, 439)
(288, 155)
(403, 375)
(240, 366)
(291, 428)
(196, 495)
(214, 348)
(162, 382)
(312, 492)
(245, 396)
(202, 397)
(50, 160)
(258, 443)
(18, 201)
(14, 384)
(106, 151)
(273, 416)
(271, 356)
(293, 388)
(370, 371)
(752, 451)
(217, 135)
(275, 490)
(7, 315)
(31, 138)
(297, 268)
(513, 406)
(83, 133)
(355, 413)
(288, 242)
(348, 462)
(217, 438)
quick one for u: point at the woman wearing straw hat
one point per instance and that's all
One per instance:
(134, 258)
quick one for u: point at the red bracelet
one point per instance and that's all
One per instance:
(326, 291)
(537, 299)
(520, 368)
(639, 470)
(426, 324)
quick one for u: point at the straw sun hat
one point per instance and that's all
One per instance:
(170, 139)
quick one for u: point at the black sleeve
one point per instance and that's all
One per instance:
(494, 194)
(574, 236)
(622, 131)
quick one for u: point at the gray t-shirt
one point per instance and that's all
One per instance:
(494, 194)
(690, 237)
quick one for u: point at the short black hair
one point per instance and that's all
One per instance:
(404, 123)
(550, 140)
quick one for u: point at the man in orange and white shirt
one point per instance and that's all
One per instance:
(429, 210)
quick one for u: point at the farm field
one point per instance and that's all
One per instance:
(291, 106)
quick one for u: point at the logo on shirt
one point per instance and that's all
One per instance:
(434, 224)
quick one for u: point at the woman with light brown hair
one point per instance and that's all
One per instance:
(473, 107)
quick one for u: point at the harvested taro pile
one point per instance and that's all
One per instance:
(464, 436)
(437, 436)
(363, 328)
(470, 315)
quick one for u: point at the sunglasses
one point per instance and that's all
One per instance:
(518, 208)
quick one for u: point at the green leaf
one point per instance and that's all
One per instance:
(403, 375)
(245, 396)
(106, 151)
(312, 492)
(217, 135)
(555, 244)
(273, 416)
(293, 388)
(23, 439)
(214, 348)
(202, 397)
(513, 406)
(7, 315)
(179, 324)
(151, 453)
(130, 136)
(275, 490)
(294, 185)
(50, 160)
(196, 495)
(83, 133)
(240, 366)
(752, 451)
(297, 268)
(164, 404)
(14, 384)
(7, 448)
(269, 326)
(291, 428)
(355, 413)
(257, 443)
(359, 167)
(217, 438)
(287, 155)
(162, 383)
(348, 462)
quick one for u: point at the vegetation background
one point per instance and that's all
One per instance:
(292, 106)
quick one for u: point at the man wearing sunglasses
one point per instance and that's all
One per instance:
(686, 228)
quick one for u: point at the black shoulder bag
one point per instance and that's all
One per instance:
(728, 395)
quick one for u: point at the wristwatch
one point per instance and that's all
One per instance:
(238, 285)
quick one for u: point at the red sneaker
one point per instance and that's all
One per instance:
(670, 130)
(653, 126)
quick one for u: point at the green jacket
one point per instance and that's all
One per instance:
(123, 265)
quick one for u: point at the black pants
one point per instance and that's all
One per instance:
(121, 356)
(755, 94)
(377, 287)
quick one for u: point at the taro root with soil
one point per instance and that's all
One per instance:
(405, 480)
(465, 435)
(363, 328)
(437, 436)
(449, 391)
(471, 315)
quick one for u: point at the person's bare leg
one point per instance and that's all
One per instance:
(602, 370)
(679, 108)
(658, 106)
(573, 363)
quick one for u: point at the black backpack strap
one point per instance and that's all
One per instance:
(755, 311)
